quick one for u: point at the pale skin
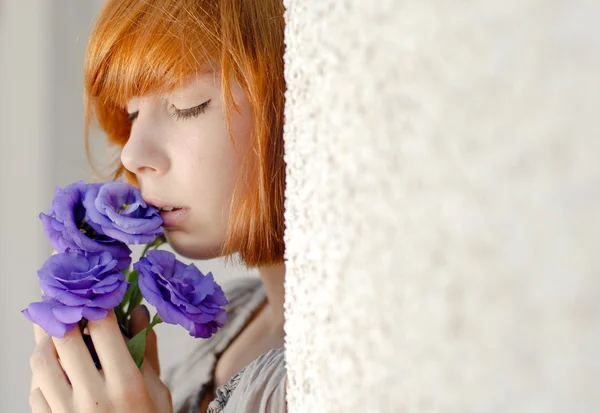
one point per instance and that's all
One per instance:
(182, 162)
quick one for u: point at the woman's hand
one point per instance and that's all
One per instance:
(119, 387)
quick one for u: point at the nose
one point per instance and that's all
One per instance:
(145, 153)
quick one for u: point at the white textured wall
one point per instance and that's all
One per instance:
(443, 206)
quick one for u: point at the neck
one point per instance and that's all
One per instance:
(273, 279)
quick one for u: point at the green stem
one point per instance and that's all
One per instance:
(134, 297)
(155, 320)
(155, 244)
(134, 301)
(146, 250)
(119, 313)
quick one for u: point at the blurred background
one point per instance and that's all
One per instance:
(42, 47)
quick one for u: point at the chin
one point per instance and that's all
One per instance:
(193, 247)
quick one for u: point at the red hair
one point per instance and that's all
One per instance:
(140, 47)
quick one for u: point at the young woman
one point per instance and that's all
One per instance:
(193, 93)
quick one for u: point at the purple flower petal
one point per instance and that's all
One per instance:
(110, 300)
(94, 314)
(66, 227)
(106, 288)
(41, 313)
(181, 294)
(68, 315)
(64, 296)
(117, 210)
(77, 285)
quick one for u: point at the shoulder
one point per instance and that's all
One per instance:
(188, 377)
(260, 387)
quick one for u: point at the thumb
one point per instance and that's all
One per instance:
(140, 318)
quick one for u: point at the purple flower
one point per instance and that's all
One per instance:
(56, 318)
(76, 286)
(181, 293)
(66, 227)
(117, 210)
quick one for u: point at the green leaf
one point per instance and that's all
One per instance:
(132, 278)
(131, 275)
(137, 346)
(136, 298)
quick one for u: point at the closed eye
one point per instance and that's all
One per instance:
(178, 114)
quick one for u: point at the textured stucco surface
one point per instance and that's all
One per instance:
(443, 206)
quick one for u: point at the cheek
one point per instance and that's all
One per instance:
(207, 166)
(204, 146)
(212, 152)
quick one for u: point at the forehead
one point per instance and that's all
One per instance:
(202, 78)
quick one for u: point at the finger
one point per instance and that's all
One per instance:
(49, 375)
(38, 333)
(159, 393)
(151, 353)
(117, 363)
(77, 361)
(140, 318)
(38, 402)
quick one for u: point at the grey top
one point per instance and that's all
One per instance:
(258, 388)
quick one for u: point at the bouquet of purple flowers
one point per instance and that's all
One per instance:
(90, 226)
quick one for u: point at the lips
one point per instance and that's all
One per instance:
(175, 218)
(171, 213)
(160, 204)
(169, 209)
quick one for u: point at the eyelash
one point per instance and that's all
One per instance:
(179, 114)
